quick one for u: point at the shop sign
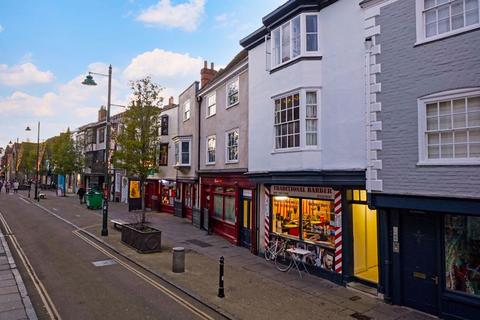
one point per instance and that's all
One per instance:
(134, 189)
(303, 192)
(247, 193)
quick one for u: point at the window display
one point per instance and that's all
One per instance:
(168, 193)
(315, 217)
(462, 254)
(224, 204)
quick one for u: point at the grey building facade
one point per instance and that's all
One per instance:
(423, 105)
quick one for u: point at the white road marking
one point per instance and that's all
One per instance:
(25, 200)
(55, 209)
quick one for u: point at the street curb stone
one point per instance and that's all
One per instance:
(29, 310)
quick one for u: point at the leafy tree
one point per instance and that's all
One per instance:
(137, 141)
(28, 159)
(65, 158)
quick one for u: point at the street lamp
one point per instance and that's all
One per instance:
(90, 82)
(37, 167)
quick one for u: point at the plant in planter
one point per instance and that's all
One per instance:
(137, 153)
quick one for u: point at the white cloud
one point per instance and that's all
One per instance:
(171, 70)
(24, 74)
(1, 28)
(184, 16)
(19, 103)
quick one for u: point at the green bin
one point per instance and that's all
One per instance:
(94, 199)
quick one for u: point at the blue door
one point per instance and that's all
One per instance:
(419, 259)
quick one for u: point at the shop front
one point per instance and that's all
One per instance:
(310, 218)
(186, 198)
(229, 200)
(151, 194)
(168, 193)
(435, 255)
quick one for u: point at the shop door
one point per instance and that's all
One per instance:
(419, 258)
(246, 223)
(365, 243)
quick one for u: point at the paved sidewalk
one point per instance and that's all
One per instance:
(14, 300)
(254, 288)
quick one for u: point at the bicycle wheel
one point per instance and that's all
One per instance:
(283, 262)
(268, 253)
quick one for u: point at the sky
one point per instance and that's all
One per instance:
(47, 47)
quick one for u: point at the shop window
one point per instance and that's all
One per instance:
(224, 204)
(190, 195)
(316, 218)
(168, 193)
(462, 254)
(286, 216)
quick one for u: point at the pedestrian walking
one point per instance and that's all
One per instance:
(15, 186)
(81, 193)
(1, 186)
(7, 187)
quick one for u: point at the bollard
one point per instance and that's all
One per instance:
(178, 262)
(221, 290)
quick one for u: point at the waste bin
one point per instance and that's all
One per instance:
(94, 199)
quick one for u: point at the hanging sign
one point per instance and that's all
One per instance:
(134, 189)
(303, 192)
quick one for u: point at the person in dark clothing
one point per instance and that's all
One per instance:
(81, 193)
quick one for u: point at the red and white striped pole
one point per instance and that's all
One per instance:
(338, 231)
(267, 216)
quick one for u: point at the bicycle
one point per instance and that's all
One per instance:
(273, 249)
(284, 260)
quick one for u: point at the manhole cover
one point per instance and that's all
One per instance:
(103, 263)
(355, 298)
(199, 243)
(360, 316)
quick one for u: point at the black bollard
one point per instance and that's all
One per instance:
(221, 290)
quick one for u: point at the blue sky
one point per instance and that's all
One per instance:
(46, 48)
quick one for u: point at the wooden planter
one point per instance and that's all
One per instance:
(144, 241)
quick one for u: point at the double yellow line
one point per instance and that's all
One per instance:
(47, 301)
(146, 278)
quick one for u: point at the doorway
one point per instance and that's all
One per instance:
(419, 256)
(246, 223)
(365, 243)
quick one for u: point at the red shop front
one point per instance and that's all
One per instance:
(168, 193)
(151, 194)
(230, 201)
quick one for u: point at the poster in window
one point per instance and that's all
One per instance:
(134, 189)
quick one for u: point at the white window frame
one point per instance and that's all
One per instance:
(179, 150)
(207, 159)
(422, 127)
(303, 117)
(303, 40)
(187, 112)
(227, 103)
(214, 106)
(227, 160)
(421, 25)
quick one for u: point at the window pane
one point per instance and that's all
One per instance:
(462, 245)
(445, 107)
(445, 122)
(447, 151)
(218, 206)
(474, 119)
(433, 138)
(474, 104)
(446, 137)
(458, 105)
(286, 216)
(311, 139)
(460, 150)
(443, 19)
(311, 97)
(459, 121)
(230, 209)
(296, 37)
(433, 152)
(429, 3)
(474, 135)
(312, 42)
(431, 29)
(475, 150)
(471, 17)
(432, 109)
(276, 47)
(460, 136)
(311, 21)
(296, 100)
(286, 42)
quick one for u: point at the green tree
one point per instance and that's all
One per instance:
(65, 157)
(137, 141)
(28, 159)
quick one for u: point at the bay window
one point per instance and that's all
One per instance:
(182, 152)
(311, 118)
(295, 38)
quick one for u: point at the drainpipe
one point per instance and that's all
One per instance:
(199, 101)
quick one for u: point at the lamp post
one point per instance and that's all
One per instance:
(106, 192)
(37, 166)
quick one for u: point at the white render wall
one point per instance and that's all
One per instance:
(340, 77)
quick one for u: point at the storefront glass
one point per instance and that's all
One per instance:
(224, 204)
(286, 216)
(462, 254)
(230, 209)
(168, 192)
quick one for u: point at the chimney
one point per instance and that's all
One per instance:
(102, 114)
(170, 101)
(206, 74)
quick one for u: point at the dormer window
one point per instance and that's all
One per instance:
(295, 38)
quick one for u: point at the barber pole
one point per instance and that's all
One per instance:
(338, 232)
(267, 217)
